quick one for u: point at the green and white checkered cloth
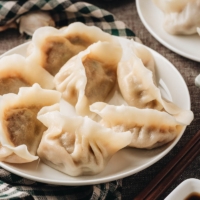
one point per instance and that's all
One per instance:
(16, 187)
(63, 12)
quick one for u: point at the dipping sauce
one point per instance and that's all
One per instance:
(193, 196)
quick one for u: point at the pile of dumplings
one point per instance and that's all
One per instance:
(79, 96)
(181, 17)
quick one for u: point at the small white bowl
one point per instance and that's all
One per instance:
(184, 189)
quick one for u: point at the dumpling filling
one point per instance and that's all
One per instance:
(24, 128)
(67, 140)
(12, 85)
(57, 53)
(82, 40)
(100, 80)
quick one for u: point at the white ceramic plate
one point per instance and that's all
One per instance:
(152, 18)
(186, 188)
(127, 161)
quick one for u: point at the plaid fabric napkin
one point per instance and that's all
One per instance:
(63, 12)
(16, 187)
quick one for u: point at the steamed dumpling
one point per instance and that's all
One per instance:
(52, 48)
(90, 76)
(130, 47)
(145, 55)
(136, 84)
(78, 145)
(150, 128)
(180, 16)
(16, 72)
(138, 89)
(20, 131)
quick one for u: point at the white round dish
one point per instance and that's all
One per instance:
(187, 187)
(152, 18)
(127, 161)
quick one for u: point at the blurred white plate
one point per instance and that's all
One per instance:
(186, 188)
(152, 18)
(127, 161)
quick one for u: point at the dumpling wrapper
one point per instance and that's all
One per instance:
(51, 48)
(150, 128)
(16, 72)
(20, 131)
(78, 145)
(138, 89)
(90, 76)
(180, 16)
(198, 30)
(130, 47)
